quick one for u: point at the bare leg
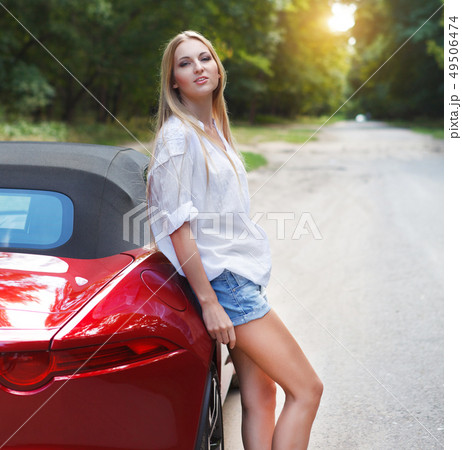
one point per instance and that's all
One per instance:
(269, 344)
(258, 397)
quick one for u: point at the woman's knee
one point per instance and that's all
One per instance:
(317, 389)
(309, 393)
(313, 392)
(260, 397)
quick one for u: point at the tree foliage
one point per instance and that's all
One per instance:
(411, 82)
(311, 62)
(280, 56)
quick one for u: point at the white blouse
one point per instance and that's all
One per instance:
(218, 213)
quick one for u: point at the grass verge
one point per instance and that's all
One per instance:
(80, 131)
(268, 129)
(253, 160)
(433, 127)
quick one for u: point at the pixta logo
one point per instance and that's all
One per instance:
(138, 222)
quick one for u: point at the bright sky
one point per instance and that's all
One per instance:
(342, 18)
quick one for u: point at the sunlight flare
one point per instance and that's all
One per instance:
(342, 18)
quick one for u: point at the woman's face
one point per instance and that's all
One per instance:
(195, 72)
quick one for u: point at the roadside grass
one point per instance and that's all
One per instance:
(268, 128)
(435, 132)
(426, 126)
(80, 131)
(253, 160)
(111, 133)
(254, 134)
(24, 130)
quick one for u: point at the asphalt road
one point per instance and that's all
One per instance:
(361, 285)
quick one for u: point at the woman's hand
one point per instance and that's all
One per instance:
(218, 323)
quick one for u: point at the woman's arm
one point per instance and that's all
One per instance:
(216, 320)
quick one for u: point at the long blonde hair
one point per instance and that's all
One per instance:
(170, 100)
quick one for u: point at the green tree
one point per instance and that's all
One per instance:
(24, 87)
(411, 83)
(114, 50)
(311, 62)
(280, 56)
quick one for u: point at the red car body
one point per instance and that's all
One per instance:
(105, 352)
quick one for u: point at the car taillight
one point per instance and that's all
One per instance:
(25, 371)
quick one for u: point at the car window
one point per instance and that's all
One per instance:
(35, 219)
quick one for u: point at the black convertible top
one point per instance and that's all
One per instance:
(103, 182)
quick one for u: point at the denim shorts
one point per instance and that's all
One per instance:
(242, 299)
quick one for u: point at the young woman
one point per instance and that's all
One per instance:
(198, 183)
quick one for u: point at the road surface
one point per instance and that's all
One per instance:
(355, 220)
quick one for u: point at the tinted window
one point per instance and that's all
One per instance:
(34, 219)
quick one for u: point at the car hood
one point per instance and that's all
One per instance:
(39, 293)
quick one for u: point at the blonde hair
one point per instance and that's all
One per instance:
(170, 100)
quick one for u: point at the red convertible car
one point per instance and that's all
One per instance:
(101, 344)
